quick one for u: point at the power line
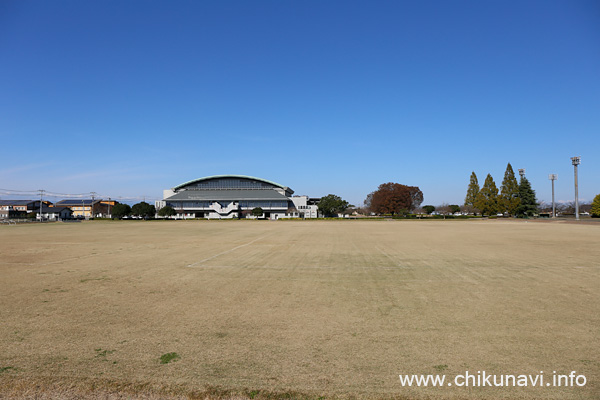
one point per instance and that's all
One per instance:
(47, 193)
(19, 191)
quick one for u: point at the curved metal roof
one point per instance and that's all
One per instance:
(226, 195)
(228, 176)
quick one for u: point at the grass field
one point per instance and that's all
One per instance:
(282, 309)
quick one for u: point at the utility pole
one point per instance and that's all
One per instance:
(576, 161)
(41, 202)
(92, 205)
(553, 177)
(109, 207)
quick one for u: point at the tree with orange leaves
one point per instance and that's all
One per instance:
(394, 198)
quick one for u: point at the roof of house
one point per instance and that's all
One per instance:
(51, 210)
(77, 202)
(227, 195)
(15, 202)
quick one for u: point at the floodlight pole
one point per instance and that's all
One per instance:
(553, 177)
(576, 161)
(522, 172)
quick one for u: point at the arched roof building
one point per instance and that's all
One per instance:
(233, 196)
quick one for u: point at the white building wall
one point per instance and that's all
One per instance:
(301, 204)
(167, 193)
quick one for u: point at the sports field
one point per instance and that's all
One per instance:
(301, 309)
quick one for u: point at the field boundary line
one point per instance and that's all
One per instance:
(226, 251)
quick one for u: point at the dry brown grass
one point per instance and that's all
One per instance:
(295, 309)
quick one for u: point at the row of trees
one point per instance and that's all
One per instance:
(142, 210)
(443, 209)
(513, 199)
(392, 198)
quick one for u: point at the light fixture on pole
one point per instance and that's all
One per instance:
(576, 161)
(522, 172)
(553, 177)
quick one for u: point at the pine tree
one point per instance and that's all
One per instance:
(528, 205)
(472, 191)
(487, 199)
(596, 207)
(509, 192)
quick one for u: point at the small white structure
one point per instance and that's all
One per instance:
(305, 206)
(55, 213)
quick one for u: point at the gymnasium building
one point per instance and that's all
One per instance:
(235, 196)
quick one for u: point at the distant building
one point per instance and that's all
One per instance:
(15, 205)
(307, 206)
(23, 205)
(235, 196)
(55, 213)
(20, 208)
(6, 213)
(86, 208)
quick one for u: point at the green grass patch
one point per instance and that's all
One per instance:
(103, 353)
(169, 357)
(93, 279)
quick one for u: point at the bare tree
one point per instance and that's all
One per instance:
(443, 208)
(545, 207)
(468, 209)
(568, 208)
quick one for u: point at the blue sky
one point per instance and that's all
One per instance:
(127, 98)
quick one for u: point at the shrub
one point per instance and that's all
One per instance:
(169, 357)
(596, 207)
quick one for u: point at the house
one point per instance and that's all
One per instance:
(22, 205)
(19, 208)
(6, 213)
(87, 208)
(55, 213)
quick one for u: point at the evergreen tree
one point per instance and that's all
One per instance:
(487, 199)
(120, 210)
(143, 209)
(596, 207)
(528, 205)
(454, 208)
(331, 205)
(472, 191)
(428, 209)
(167, 211)
(509, 192)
